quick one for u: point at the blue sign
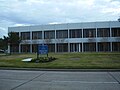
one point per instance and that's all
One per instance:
(43, 49)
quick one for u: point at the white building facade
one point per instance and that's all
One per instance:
(69, 37)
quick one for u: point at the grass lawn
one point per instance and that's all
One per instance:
(86, 60)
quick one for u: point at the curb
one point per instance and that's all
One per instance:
(64, 70)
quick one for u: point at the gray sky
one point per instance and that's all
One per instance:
(32, 12)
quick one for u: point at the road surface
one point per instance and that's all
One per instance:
(58, 80)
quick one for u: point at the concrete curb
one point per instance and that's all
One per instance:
(64, 70)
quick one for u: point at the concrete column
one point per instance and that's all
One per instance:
(82, 32)
(55, 47)
(68, 47)
(19, 43)
(68, 42)
(30, 48)
(55, 43)
(96, 32)
(82, 42)
(96, 46)
(8, 48)
(30, 35)
(31, 41)
(111, 46)
(19, 48)
(82, 47)
(110, 32)
(79, 48)
(96, 42)
(110, 38)
(43, 37)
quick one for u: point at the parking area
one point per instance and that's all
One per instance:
(58, 80)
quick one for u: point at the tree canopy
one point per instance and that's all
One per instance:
(12, 39)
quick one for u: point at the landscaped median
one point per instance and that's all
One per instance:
(101, 60)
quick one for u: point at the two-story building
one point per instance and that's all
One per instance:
(69, 37)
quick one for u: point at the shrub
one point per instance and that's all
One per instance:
(43, 59)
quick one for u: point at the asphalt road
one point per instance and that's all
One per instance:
(58, 80)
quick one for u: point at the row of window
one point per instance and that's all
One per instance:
(73, 33)
(74, 47)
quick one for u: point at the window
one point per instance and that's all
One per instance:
(115, 32)
(62, 47)
(51, 47)
(14, 48)
(25, 35)
(34, 48)
(37, 35)
(89, 47)
(49, 34)
(104, 46)
(25, 48)
(75, 47)
(103, 32)
(116, 46)
(88, 33)
(75, 33)
(62, 34)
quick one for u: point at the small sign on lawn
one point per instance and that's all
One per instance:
(43, 49)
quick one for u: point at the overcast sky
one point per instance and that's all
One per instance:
(32, 12)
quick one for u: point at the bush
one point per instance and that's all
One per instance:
(43, 59)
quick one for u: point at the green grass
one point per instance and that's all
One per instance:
(66, 60)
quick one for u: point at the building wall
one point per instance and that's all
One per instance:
(71, 37)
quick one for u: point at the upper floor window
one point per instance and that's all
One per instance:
(115, 32)
(62, 34)
(103, 32)
(75, 33)
(88, 33)
(49, 34)
(25, 35)
(37, 35)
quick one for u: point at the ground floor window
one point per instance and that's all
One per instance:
(75, 47)
(103, 46)
(51, 47)
(62, 47)
(14, 48)
(72, 47)
(34, 48)
(25, 48)
(89, 47)
(116, 46)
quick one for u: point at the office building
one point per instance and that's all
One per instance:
(69, 37)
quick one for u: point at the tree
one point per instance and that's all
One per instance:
(3, 43)
(13, 40)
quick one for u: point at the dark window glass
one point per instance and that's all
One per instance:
(88, 33)
(37, 35)
(75, 33)
(115, 32)
(62, 47)
(51, 47)
(103, 32)
(89, 47)
(25, 48)
(14, 48)
(49, 34)
(105, 46)
(62, 34)
(25, 35)
(116, 46)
